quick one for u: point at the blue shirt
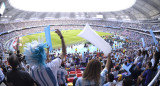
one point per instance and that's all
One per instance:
(148, 76)
(158, 67)
(1, 76)
(81, 82)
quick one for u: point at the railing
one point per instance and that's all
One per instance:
(154, 79)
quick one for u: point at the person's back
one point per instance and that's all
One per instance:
(77, 61)
(68, 64)
(146, 76)
(2, 77)
(81, 82)
(61, 76)
(138, 57)
(93, 76)
(110, 80)
(83, 58)
(127, 81)
(115, 73)
(44, 74)
(135, 72)
(17, 77)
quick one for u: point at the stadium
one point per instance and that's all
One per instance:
(79, 43)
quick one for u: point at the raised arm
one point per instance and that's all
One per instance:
(48, 58)
(108, 62)
(63, 43)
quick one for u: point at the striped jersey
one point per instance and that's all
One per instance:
(1, 76)
(47, 76)
(61, 76)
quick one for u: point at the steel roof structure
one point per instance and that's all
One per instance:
(141, 10)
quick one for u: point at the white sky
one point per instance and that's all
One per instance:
(72, 5)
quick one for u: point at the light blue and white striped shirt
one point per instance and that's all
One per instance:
(61, 76)
(109, 84)
(1, 76)
(81, 82)
(47, 76)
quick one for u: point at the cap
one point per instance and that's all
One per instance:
(139, 64)
(129, 57)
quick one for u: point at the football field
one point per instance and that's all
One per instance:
(70, 37)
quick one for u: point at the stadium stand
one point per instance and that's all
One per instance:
(131, 65)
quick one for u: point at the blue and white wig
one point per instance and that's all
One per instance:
(35, 54)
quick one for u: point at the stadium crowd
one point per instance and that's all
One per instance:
(82, 22)
(133, 65)
(11, 29)
(26, 24)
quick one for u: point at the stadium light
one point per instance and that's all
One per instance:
(99, 16)
(2, 8)
(72, 5)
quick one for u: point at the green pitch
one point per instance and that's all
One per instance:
(70, 37)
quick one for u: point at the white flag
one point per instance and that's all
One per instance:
(95, 39)
(127, 68)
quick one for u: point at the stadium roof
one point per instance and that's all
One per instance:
(72, 5)
(141, 10)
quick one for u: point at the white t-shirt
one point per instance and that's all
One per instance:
(68, 64)
(115, 73)
(137, 59)
(153, 61)
(110, 83)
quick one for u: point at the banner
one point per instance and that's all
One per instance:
(153, 36)
(48, 37)
(95, 39)
(143, 43)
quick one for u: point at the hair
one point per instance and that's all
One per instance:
(117, 68)
(125, 63)
(146, 53)
(10, 53)
(127, 81)
(35, 54)
(62, 64)
(149, 64)
(110, 66)
(105, 61)
(143, 53)
(157, 57)
(129, 61)
(139, 52)
(92, 71)
(13, 61)
(110, 77)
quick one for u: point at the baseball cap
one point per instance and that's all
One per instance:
(139, 64)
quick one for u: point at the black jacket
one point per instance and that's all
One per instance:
(19, 78)
(135, 72)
